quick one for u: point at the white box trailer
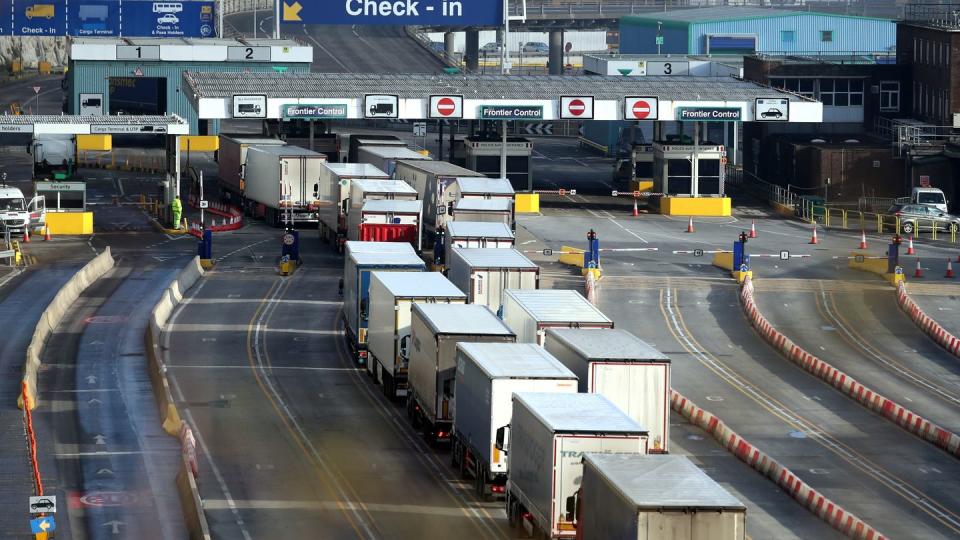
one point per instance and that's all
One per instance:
(655, 497)
(278, 178)
(333, 219)
(483, 188)
(530, 312)
(435, 331)
(476, 234)
(365, 190)
(489, 210)
(546, 440)
(432, 180)
(484, 273)
(389, 221)
(233, 154)
(385, 158)
(625, 369)
(391, 296)
(488, 374)
(361, 259)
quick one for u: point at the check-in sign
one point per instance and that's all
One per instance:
(511, 112)
(313, 112)
(576, 107)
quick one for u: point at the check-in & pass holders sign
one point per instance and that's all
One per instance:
(511, 112)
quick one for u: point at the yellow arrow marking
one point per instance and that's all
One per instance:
(292, 12)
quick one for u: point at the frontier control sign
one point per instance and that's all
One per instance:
(709, 114)
(511, 112)
(311, 112)
(395, 12)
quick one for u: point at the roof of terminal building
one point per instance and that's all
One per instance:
(727, 13)
(340, 85)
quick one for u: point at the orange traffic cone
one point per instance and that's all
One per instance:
(918, 273)
(690, 225)
(863, 239)
(753, 229)
(813, 239)
(911, 251)
(26, 235)
(46, 233)
(949, 269)
(636, 211)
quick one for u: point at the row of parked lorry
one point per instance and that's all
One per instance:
(542, 401)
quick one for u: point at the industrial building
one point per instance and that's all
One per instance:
(142, 76)
(747, 30)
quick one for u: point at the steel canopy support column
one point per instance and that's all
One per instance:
(472, 51)
(503, 150)
(449, 46)
(735, 159)
(556, 52)
(694, 162)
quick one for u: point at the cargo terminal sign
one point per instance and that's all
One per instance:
(395, 12)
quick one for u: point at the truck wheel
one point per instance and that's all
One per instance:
(454, 453)
(388, 386)
(511, 511)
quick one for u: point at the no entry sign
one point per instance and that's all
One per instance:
(446, 107)
(576, 107)
(640, 108)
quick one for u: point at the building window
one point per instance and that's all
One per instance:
(890, 96)
(842, 92)
(788, 36)
(826, 36)
(804, 87)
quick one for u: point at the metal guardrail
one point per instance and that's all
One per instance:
(944, 14)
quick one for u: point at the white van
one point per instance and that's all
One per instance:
(926, 196)
(16, 215)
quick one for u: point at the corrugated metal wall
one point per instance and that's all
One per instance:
(849, 33)
(94, 77)
(640, 37)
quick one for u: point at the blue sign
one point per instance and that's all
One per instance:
(6, 6)
(94, 18)
(167, 19)
(397, 12)
(43, 525)
(40, 17)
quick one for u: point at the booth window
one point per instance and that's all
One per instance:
(679, 174)
(708, 177)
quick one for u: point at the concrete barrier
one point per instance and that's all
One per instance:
(186, 479)
(53, 314)
(827, 510)
(885, 407)
(931, 327)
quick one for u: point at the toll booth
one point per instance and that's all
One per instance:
(63, 196)
(686, 170)
(483, 156)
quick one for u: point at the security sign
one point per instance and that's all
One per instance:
(772, 110)
(446, 107)
(640, 108)
(576, 107)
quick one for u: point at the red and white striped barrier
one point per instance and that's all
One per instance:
(933, 329)
(887, 408)
(188, 445)
(809, 498)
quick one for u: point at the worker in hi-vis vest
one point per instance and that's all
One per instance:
(176, 208)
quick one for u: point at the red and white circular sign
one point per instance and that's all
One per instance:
(641, 109)
(446, 106)
(577, 107)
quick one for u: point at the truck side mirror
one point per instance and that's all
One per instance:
(403, 347)
(364, 308)
(503, 434)
(571, 507)
(316, 190)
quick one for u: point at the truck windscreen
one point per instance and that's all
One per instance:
(930, 198)
(11, 205)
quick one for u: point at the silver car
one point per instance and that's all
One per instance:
(922, 218)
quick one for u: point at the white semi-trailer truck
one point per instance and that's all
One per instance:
(435, 331)
(655, 497)
(282, 184)
(625, 369)
(484, 273)
(529, 313)
(339, 176)
(545, 442)
(488, 374)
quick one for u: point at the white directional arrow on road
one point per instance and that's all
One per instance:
(104, 471)
(94, 401)
(100, 439)
(91, 379)
(115, 526)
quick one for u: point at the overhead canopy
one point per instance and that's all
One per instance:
(48, 124)
(490, 97)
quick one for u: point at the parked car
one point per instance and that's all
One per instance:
(920, 218)
(536, 47)
(492, 47)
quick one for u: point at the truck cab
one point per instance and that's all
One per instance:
(929, 197)
(16, 214)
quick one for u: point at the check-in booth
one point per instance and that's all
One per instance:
(686, 170)
(63, 196)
